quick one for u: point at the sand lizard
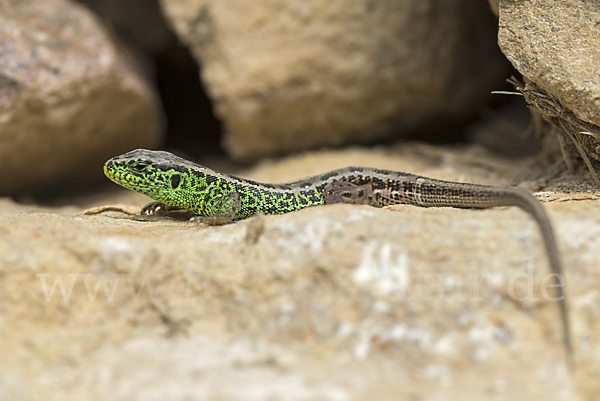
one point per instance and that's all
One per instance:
(218, 198)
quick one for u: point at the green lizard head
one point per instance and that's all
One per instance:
(162, 176)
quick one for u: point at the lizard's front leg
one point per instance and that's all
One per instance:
(223, 210)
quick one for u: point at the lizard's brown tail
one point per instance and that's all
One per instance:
(430, 192)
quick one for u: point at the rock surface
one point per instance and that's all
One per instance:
(291, 75)
(554, 43)
(138, 22)
(336, 302)
(69, 97)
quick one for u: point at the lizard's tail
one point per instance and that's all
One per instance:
(529, 203)
(430, 192)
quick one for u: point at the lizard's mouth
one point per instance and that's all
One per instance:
(127, 179)
(110, 172)
(115, 176)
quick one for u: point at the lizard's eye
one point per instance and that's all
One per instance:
(175, 180)
(140, 166)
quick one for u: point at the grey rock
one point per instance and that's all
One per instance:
(554, 44)
(69, 97)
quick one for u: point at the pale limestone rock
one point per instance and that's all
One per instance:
(554, 43)
(289, 75)
(69, 97)
(337, 302)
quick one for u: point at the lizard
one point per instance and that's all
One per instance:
(217, 198)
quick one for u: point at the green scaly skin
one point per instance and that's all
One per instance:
(173, 181)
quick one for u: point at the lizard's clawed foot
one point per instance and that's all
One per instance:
(159, 209)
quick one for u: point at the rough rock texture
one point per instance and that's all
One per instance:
(138, 22)
(69, 98)
(289, 75)
(336, 302)
(555, 43)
